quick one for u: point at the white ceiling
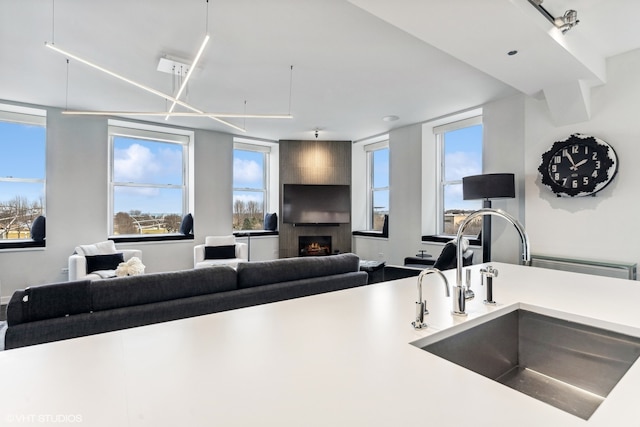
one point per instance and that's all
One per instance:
(354, 61)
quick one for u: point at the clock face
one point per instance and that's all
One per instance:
(580, 165)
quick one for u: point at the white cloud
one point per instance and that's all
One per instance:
(246, 172)
(138, 163)
(133, 163)
(461, 164)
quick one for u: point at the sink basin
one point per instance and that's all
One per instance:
(569, 365)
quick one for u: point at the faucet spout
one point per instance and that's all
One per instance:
(459, 302)
(421, 305)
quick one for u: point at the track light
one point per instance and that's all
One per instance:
(564, 23)
(567, 21)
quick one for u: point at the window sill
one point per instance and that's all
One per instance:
(444, 238)
(21, 244)
(150, 238)
(370, 233)
(254, 233)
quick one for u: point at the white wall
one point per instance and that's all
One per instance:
(77, 194)
(405, 200)
(517, 131)
(601, 227)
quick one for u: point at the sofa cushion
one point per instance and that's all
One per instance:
(49, 301)
(220, 252)
(106, 247)
(220, 240)
(155, 287)
(284, 270)
(103, 262)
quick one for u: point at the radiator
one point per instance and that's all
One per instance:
(597, 268)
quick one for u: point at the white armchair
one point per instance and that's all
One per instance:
(107, 266)
(220, 250)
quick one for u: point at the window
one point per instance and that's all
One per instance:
(148, 178)
(460, 148)
(22, 173)
(250, 183)
(378, 168)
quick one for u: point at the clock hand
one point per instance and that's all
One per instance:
(580, 163)
(566, 153)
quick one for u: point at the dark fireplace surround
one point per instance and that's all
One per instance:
(314, 245)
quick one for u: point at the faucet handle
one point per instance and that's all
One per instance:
(468, 293)
(421, 310)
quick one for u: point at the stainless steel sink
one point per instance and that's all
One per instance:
(565, 364)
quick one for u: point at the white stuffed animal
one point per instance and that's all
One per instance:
(131, 267)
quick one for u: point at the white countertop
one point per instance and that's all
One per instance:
(337, 359)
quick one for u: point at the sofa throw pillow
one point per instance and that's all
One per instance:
(103, 262)
(220, 252)
(186, 227)
(271, 221)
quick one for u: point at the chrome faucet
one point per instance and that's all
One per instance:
(459, 299)
(421, 305)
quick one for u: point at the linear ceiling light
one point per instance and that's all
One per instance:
(186, 79)
(178, 114)
(139, 85)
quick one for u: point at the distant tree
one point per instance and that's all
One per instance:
(172, 223)
(246, 225)
(17, 215)
(124, 224)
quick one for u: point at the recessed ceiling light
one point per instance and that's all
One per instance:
(390, 118)
(512, 52)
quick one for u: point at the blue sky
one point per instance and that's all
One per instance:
(248, 172)
(22, 155)
(463, 157)
(381, 179)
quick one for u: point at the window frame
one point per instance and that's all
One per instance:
(160, 134)
(34, 117)
(442, 183)
(265, 150)
(370, 149)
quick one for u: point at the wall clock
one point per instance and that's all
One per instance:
(579, 165)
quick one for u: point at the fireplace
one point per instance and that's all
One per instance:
(314, 245)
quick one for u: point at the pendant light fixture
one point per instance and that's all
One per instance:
(175, 100)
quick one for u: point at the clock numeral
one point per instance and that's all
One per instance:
(554, 168)
(597, 164)
(594, 174)
(574, 149)
(585, 180)
(564, 182)
(574, 183)
(594, 156)
(586, 150)
(557, 159)
(556, 176)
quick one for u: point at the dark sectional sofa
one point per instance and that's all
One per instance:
(59, 311)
